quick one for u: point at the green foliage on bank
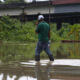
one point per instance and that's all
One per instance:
(13, 30)
(13, 1)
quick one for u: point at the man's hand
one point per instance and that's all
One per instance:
(49, 42)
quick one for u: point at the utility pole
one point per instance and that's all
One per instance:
(49, 11)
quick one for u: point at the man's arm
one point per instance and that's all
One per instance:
(37, 29)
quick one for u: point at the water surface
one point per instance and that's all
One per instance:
(60, 69)
(17, 62)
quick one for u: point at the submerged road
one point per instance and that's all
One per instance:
(60, 69)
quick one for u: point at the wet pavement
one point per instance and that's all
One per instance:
(60, 69)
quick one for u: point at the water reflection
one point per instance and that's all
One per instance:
(42, 73)
(19, 72)
(60, 69)
(17, 52)
(11, 77)
(1, 76)
(14, 77)
(7, 77)
(67, 50)
(24, 72)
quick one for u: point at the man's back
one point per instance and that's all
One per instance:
(43, 30)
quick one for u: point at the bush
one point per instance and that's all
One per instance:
(13, 30)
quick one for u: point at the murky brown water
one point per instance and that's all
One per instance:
(60, 69)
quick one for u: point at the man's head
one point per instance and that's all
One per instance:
(40, 17)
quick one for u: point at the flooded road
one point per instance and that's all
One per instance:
(60, 69)
(17, 62)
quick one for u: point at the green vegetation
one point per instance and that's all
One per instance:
(12, 1)
(13, 30)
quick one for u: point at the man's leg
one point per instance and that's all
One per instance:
(47, 50)
(38, 51)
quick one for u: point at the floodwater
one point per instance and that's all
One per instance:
(60, 69)
(16, 62)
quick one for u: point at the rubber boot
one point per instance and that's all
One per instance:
(37, 58)
(51, 57)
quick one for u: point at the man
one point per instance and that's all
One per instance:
(43, 31)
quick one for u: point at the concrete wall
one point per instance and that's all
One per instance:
(67, 8)
(43, 10)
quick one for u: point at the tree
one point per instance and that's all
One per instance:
(75, 29)
(0, 1)
(12, 1)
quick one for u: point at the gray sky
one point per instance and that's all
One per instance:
(31, 0)
(36, 0)
(1, 0)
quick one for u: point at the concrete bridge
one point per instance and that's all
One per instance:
(57, 11)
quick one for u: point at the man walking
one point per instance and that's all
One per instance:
(43, 31)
